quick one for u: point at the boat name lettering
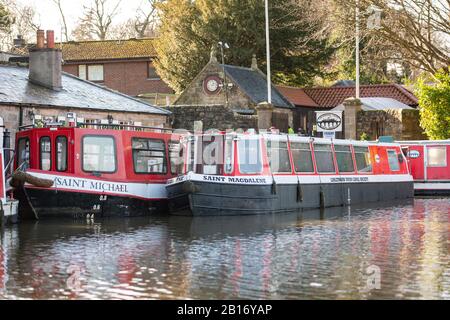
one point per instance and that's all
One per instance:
(214, 178)
(247, 180)
(350, 179)
(92, 185)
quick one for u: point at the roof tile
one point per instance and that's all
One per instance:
(334, 96)
(297, 96)
(108, 49)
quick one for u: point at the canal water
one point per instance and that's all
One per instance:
(394, 251)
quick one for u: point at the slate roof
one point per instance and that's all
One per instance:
(76, 93)
(254, 84)
(102, 49)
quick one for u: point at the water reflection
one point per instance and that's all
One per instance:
(311, 254)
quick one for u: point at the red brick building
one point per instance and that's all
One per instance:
(122, 65)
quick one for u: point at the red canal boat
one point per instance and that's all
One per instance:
(430, 166)
(236, 174)
(107, 170)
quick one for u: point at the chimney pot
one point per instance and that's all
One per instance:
(254, 62)
(40, 43)
(50, 39)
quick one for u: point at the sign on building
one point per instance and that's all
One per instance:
(329, 121)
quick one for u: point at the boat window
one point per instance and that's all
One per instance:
(45, 151)
(394, 165)
(228, 165)
(176, 156)
(23, 153)
(149, 155)
(362, 157)
(190, 163)
(344, 158)
(437, 156)
(249, 153)
(210, 157)
(61, 153)
(99, 154)
(301, 154)
(324, 158)
(278, 155)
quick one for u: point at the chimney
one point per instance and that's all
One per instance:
(45, 62)
(19, 42)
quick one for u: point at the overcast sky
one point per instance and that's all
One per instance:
(50, 18)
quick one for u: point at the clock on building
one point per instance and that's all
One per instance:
(212, 84)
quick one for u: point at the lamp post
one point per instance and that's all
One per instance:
(269, 84)
(225, 84)
(357, 48)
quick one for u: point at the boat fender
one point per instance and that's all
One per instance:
(299, 192)
(190, 187)
(274, 187)
(20, 177)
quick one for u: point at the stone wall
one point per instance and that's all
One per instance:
(213, 117)
(402, 124)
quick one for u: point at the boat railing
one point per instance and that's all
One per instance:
(99, 126)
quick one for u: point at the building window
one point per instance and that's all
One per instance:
(344, 158)
(92, 72)
(324, 158)
(362, 157)
(301, 154)
(95, 73)
(45, 151)
(278, 155)
(82, 71)
(437, 156)
(99, 154)
(249, 153)
(394, 165)
(149, 156)
(61, 153)
(151, 72)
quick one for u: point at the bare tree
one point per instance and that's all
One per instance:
(25, 22)
(97, 19)
(416, 32)
(142, 25)
(58, 3)
(145, 20)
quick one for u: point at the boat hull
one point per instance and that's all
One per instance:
(47, 203)
(432, 188)
(9, 212)
(199, 198)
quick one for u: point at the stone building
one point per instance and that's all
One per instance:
(309, 100)
(376, 117)
(226, 97)
(42, 92)
(384, 109)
